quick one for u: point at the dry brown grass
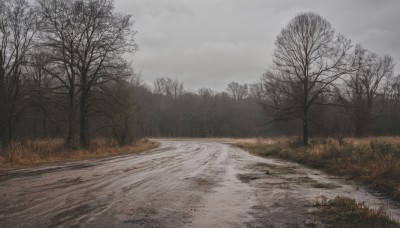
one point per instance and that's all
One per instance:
(368, 140)
(345, 212)
(26, 153)
(222, 140)
(374, 161)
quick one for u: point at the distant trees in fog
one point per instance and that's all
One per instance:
(208, 113)
(62, 74)
(169, 110)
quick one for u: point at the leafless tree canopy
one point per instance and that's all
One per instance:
(308, 59)
(366, 88)
(237, 91)
(18, 25)
(83, 43)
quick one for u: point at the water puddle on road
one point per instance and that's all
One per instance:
(227, 205)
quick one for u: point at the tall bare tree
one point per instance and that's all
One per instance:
(86, 40)
(307, 59)
(18, 25)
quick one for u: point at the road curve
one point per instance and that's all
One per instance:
(180, 184)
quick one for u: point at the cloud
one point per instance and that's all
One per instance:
(209, 43)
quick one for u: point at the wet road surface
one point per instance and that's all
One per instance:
(180, 184)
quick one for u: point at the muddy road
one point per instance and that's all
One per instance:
(180, 184)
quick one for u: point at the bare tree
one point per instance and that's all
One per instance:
(87, 40)
(38, 87)
(117, 109)
(17, 29)
(168, 87)
(256, 90)
(307, 59)
(57, 44)
(366, 88)
(237, 91)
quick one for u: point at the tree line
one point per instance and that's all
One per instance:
(63, 74)
(318, 84)
(59, 60)
(167, 109)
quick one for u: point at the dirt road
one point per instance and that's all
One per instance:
(181, 184)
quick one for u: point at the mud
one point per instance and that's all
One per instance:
(181, 184)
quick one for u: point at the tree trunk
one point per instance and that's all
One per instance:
(3, 130)
(305, 131)
(71, 139)
(84, 137)
(44, 124)
(358, 131)
(3, 117)
(305, 106)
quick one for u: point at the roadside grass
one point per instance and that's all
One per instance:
(27, 153)
(346, 212)
(215, 139)
(374, 161)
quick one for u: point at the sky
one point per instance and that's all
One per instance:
(210, 43)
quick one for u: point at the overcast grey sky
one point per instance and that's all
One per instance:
(209, 43)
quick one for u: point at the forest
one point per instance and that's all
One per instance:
(63, 75)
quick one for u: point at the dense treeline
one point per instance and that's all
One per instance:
(62, 74)
(59, 61)
(167, 109)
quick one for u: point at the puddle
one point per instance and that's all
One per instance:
(227, 205)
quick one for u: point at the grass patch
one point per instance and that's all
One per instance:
(346, 212)
(29, 153)
(375, 161)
